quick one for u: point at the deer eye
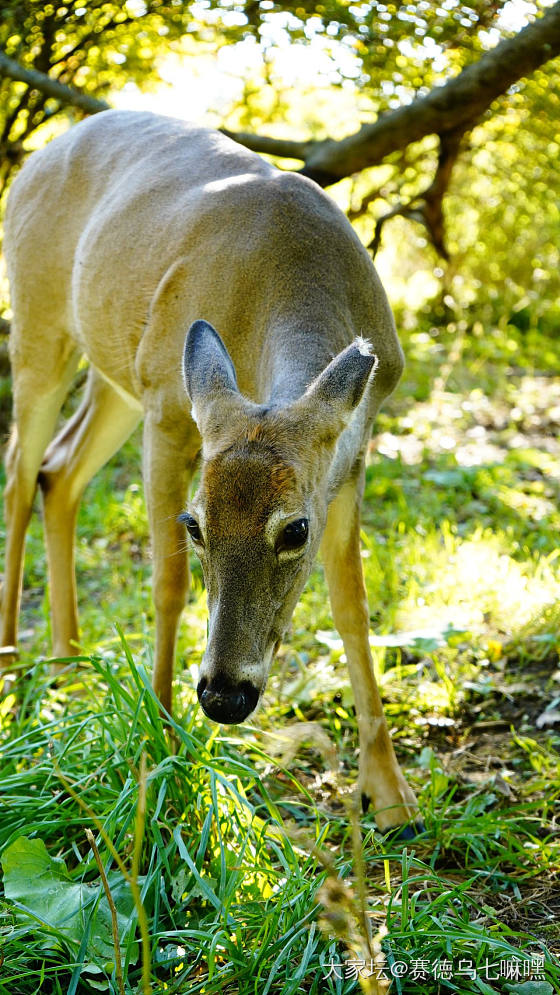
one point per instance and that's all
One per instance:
(294, 535)
(193, 528)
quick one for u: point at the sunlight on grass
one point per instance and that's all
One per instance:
(474, 584)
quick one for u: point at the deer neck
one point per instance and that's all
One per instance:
(297, 353)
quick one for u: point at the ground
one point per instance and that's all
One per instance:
(460, 525)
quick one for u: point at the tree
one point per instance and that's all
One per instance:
(423, 68)
(91, 47)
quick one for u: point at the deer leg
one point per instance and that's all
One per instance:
(95, 432)
(168, 467)
(35, 415)
(380, 778)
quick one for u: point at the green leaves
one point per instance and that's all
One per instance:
(42, 889)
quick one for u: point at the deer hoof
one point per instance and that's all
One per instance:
(397, 833)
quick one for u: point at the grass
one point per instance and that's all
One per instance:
(248, 864)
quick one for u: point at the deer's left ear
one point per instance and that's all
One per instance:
(330, 401)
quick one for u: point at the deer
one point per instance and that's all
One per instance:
(229, 305)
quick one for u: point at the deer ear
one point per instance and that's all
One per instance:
(211, 384)
(332, 398)
(208, 371)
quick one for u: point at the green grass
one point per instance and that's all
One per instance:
(247, 861)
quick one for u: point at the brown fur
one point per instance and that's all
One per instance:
(244, 485)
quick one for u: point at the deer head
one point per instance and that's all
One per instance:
(256, 521)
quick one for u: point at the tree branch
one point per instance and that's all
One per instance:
(50, 87)
(456, 105)
(451, 108)
(283, 147)
(427, 207)
(432, 198)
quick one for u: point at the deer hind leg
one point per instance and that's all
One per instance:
(381, 781)
(100, 426)
(39, 393)
(168, 469)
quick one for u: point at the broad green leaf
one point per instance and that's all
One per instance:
(43, 888)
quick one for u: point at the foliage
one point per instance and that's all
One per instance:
(383, 56)
(94, 46)
(501, 213)
(41, 886)
(508, 176)
(383, 46)
(231, 898)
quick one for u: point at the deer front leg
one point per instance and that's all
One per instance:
(167, 472)
(381, 781)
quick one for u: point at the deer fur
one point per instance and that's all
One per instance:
(122, 236)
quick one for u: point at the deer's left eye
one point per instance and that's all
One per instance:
(193, 528)
(293, 536)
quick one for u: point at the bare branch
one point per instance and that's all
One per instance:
(50, 87)
(427, 207)
(432, 198)
(282, 147)
(404, 210)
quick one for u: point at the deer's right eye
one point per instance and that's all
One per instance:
(293, 536)
(193, 528)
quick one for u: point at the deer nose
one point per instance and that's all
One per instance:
(222, 702)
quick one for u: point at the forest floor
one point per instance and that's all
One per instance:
(248, 862)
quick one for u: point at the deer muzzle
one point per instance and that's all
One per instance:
(225, 702)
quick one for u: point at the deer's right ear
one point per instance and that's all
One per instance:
(211, 384)
(208, 371)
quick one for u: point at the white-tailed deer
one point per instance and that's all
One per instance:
(121, 236)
